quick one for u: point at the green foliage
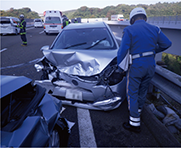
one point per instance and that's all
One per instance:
(159, 9)
(173, 62)
(69, 13)
(16, 12)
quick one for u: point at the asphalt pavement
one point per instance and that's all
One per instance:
(107, 130)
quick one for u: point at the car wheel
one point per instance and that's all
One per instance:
(54, 139)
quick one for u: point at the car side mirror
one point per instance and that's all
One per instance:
(45, 48)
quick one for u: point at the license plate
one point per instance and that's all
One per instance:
(53, 25)
(73, 94)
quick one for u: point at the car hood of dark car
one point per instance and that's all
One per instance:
(80, 62)
(10, 84)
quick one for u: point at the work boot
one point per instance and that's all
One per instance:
(23, 44)
(131, 128)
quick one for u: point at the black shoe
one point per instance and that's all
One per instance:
(131, 128)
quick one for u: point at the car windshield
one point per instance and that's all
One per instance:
(52, 20)
(89, 38)
(37, 20)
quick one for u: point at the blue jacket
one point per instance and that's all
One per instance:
(142, 37)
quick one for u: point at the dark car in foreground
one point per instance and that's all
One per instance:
(29, 116)
(80, 67)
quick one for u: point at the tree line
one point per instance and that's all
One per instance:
(16, 12)
(158, 9)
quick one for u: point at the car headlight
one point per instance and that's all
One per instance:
(38, 67)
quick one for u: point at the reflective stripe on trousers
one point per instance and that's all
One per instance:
(22, 33)
(134, 121)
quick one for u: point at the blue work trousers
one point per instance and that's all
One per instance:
(139, 75)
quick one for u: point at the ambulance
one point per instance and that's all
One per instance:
(53, 21)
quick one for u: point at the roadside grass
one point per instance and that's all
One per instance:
(173, 62)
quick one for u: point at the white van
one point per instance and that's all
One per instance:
(53, 22)
(38, 23)
(8, 25)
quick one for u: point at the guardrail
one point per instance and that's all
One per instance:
(29, 22)
(172, 22)
(167, 82)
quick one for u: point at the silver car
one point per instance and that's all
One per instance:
(80, 67)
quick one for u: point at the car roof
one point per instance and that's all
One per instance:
(85, 25)
(10, 84)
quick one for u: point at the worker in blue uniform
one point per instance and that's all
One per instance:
(22, 27)
(140, 42)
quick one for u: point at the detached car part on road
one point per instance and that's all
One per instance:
(80, 67)
(29, 116)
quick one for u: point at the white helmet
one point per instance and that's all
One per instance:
(136, 11)
(21, 16)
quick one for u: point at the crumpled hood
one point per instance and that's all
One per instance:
(80, 62)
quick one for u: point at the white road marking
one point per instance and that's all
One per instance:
(41, 32)
(3, 49)
(86, 132)
(22, 64)
(29, 28)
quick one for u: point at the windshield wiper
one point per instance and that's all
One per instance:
(97, 42)
(75, 45)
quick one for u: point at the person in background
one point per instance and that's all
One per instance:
(140, 42)
(65, 22)
(22, 27)
(75, 20)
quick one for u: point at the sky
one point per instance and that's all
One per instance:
(40, 6)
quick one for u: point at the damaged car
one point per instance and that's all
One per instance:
(80, 67)
(29, 116)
